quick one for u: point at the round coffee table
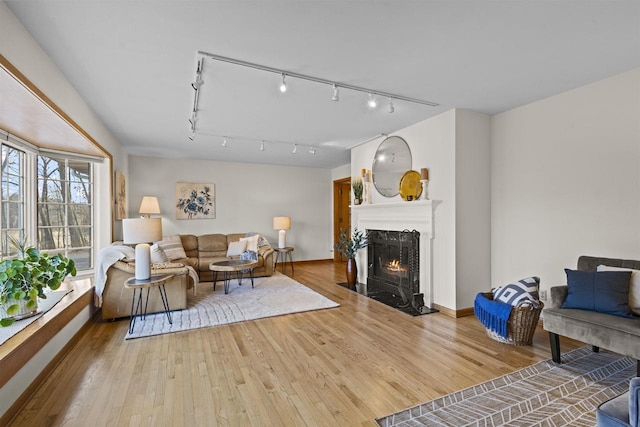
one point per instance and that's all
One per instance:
(228, 267)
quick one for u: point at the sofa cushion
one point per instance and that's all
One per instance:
(190, 245)
(209, 243)
(601, 291)
(236, 248)
(157, 254)
(172, 247)
(634, 286)
(252, 242)
(516, 292)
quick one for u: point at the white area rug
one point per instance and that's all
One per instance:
(44, 305)
(271, 296)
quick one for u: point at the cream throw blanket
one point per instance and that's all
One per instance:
(106, 258)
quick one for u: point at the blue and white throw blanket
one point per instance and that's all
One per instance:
(494, 315)
(248, 255)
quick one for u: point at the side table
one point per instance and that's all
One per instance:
(284, 252)
(157, 281)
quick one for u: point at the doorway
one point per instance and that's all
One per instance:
(341, 212)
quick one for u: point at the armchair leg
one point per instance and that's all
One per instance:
(554, 340)
(595, 349)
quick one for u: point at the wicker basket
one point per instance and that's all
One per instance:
(521, 324)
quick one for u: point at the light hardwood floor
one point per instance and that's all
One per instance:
(344, 366)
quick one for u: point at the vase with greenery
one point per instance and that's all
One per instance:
(358, 188)
(348, 246)
(23, 280)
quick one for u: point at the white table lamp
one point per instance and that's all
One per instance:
(282, 223)
(149, 206)
(141, 231)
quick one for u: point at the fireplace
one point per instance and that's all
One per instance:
(401, 217)
(394, 263)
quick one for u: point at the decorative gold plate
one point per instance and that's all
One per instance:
(410, 186)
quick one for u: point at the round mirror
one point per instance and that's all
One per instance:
(392, 160)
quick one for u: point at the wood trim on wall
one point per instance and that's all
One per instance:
(46, 101)
(454, 313)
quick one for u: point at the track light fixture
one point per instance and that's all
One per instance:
(295, 148)
(391, 109)
(192, 135)
(320, 80)
(336, 93)
(312, 150)
(199, 82)
(372, 100)
(224, 142)
(262, 146)
(283, 86)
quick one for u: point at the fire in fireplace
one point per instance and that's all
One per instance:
(394, 267)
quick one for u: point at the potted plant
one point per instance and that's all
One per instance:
(348, 245)
(358, 187)
(23, 280)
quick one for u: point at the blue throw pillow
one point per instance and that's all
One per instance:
(601, 291)
(522, 290)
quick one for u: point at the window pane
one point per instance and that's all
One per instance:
(50, 214)
(12, 215)
(79, 171)
(11, 188)
(79, 237)
(79, 192)
(50, 191)
(49, 168)
(79, 214)
(82, 258)
(9, 249)
(51, 238)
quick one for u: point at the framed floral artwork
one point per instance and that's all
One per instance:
(120, 196)
(195, 201)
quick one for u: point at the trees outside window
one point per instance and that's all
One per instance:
(12, 222)
(65, 208)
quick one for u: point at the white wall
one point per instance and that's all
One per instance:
(473, 206)
(566, 180)
(248, 196)
(455, 147)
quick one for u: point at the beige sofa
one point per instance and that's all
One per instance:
(200, 252)
(207, 248)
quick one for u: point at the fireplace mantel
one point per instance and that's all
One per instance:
(399, 216)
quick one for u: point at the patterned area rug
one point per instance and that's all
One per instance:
(544, 394)
(271, 296)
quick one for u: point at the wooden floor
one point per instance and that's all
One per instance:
(344, 366)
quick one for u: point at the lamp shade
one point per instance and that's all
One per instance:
(149, 205)
(281, 223)
(141, 230)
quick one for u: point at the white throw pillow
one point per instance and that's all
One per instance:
(236, 248)
(634, 286)
(172, 247)
(252, 242)
(157, 254)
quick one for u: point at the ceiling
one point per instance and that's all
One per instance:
(133, 62)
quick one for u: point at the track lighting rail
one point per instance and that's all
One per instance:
(332, 83)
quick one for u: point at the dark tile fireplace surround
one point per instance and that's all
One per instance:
(393, 265)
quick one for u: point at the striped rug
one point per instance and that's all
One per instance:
(544, 394)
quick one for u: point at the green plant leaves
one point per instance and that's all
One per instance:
(26, 278)
(6, 322)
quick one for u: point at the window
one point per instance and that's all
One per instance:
(13, 190)
(65, 208)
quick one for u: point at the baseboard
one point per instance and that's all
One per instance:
(454, 313)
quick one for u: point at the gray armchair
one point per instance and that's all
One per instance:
(621, 410)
